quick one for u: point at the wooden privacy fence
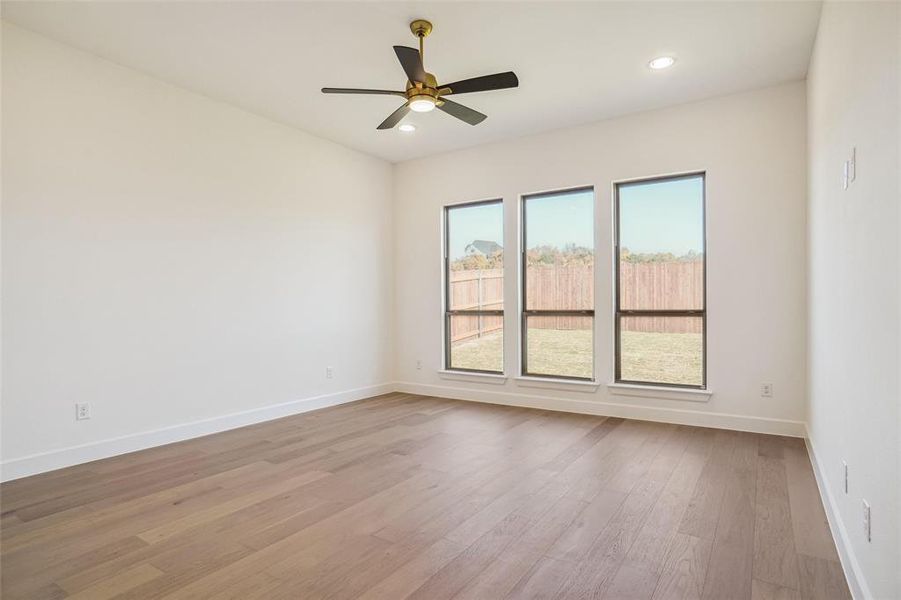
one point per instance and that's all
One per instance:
(662, 286)
(473, 290)
(560, 288)
(650, 285)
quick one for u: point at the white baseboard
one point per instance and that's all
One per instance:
(75, 455)
(611, 409)
(853, 573)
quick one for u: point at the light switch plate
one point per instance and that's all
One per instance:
(867, 522)
(852, 165)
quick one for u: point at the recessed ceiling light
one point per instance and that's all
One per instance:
(407, 127)
(662, 62)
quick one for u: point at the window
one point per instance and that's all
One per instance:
(661, 317)
(474, 287)
(558, 284)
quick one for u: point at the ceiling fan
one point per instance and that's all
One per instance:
(423, 92)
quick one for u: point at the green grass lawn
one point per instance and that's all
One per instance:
(560, 352)
(484, 353)
(659, 357)
(662, 357)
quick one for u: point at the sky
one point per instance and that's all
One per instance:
(560, 219)
(663, 216)
(655, 217)
(480, 222)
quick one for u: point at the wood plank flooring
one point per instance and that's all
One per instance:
(405, 496)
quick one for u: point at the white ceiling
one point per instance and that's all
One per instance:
(577, 62)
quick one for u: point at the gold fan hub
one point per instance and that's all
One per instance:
(430, 87)
(421, 28)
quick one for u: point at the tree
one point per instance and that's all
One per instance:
(570, 255)
(627, 256)
(473, 262)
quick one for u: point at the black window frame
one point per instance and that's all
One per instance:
(448, 312)
(525, 313)
(619, 313)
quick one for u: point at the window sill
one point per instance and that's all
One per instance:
(655, 391)
(492, 378)
(550, 383)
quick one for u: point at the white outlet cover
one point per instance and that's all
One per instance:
(82, 411)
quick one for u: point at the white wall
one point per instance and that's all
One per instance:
(171, 259)
(853, 90)
(185, 266)
(752, 146)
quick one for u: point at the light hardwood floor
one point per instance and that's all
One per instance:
(405, 496)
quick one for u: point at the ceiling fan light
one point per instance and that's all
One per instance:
(422, 103)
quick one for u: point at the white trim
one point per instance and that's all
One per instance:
(553, 383)
(658, 391)
(495, 378)
(679, 416)
(850, 565)
(74, 455)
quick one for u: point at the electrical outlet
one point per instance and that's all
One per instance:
(845, 476)
(766, 390)
(82, 411)
(329, 373)
(419, 365)
(867, 522)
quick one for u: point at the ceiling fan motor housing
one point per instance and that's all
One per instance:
(430, 83)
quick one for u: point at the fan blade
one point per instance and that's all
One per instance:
(411, 61)
(464, 113)
(360, 91)
(498, 81)
(395, 117)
